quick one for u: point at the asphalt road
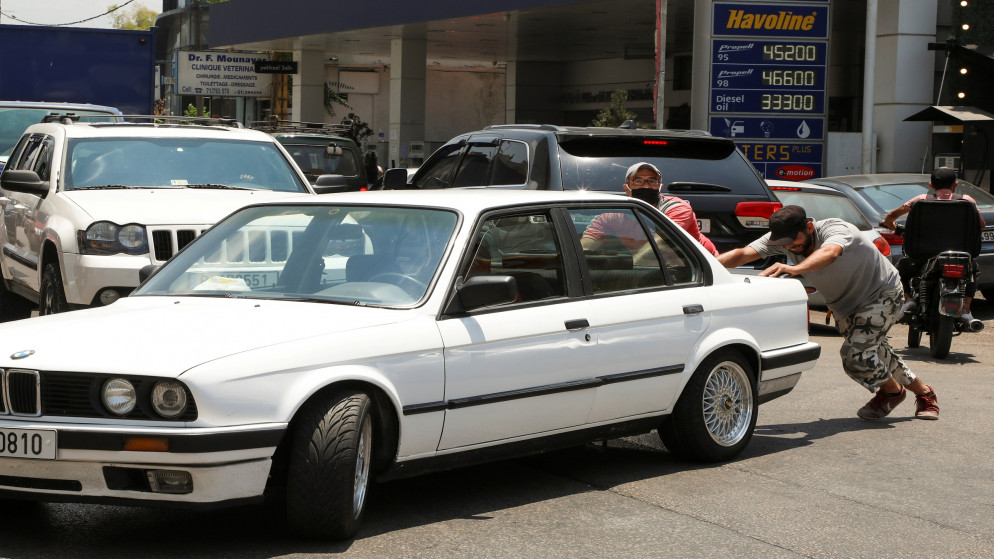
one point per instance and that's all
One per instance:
(815, 481)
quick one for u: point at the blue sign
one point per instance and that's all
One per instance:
(777, 20)
(784, 160)
(774, 128)
(763, 101)
(782, 53)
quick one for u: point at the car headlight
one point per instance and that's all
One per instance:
(168, 399)
(105, 237)
(118, 396)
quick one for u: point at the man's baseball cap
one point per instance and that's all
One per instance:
(943, 177)
(785, 224)
(641, 165)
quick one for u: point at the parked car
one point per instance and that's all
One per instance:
(731, 200)
(821, 202)
(470, 327)
(877, 194)
(321, 149)
(16, 116)
(87, 205)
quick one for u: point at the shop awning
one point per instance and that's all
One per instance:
(948, 114)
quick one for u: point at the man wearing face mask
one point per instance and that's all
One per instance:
(861, 288)
(642, 181)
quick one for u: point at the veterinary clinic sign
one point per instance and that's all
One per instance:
(221, 74)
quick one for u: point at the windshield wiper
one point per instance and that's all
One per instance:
(704, 186)
(105, 187)
(217, 186)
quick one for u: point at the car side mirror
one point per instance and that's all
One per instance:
(23, 181)
(331, 183)
(146, 271)
(483, 291)
(395, 179)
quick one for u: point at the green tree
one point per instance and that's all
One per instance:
(137, 17)
(333, 97)
(616, 114)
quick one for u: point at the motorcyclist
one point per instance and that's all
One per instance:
(943, 182)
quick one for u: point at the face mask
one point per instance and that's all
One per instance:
(650, 195)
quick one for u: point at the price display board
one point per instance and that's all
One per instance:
(769, 68)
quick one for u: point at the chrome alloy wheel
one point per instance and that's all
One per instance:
(727, 403)
(363, 453)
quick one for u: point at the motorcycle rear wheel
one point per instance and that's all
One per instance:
(940, 340)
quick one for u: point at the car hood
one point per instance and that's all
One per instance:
(168, 206)
(166, 336)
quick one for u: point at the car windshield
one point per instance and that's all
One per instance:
(315, 160)
(985, 200)
(355, 255)
(600, 163)
(822, 206)
(15, 120)
(178, 163)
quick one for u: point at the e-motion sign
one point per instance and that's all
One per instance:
(769, 75)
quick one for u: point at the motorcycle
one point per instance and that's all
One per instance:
(938, 294)
(945, 237)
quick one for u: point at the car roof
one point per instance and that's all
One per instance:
(58, 106)
(469, 200)
(305, 136)
(598, 130)
(777, 184)
(877, 179)
(145, 130)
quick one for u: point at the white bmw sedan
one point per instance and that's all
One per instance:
(301, 349)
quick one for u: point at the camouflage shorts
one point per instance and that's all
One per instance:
(866, 355)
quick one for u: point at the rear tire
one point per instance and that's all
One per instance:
(329, 470)
(940, 340)
(715, 416)
(52, 296)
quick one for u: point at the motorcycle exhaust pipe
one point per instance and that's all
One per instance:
(975, 325)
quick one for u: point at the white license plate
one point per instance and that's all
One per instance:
(27, 443)
(986, 236)
(704, 225)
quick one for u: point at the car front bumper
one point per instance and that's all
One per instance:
(227, 465)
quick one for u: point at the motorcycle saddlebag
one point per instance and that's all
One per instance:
(935, 226)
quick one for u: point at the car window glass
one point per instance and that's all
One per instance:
(511, 163)
(41, 160)
(822, 206)
(599, 163)
(525, 247)
(985, 200)
(618, 252)
(475, 166)
(178, 162)
(343, 254)
(885, 198)
(24, 157)
(437, 173)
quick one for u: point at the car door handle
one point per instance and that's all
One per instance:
(693, 309)
(577, 324)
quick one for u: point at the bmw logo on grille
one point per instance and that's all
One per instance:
(22, 354)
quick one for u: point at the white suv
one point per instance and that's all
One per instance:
(87, 205)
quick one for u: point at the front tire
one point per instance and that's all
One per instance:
(716, 415)
(52, 298)
(329, 471)
(941, 338)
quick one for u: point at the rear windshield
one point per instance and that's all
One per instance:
(687, 164)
